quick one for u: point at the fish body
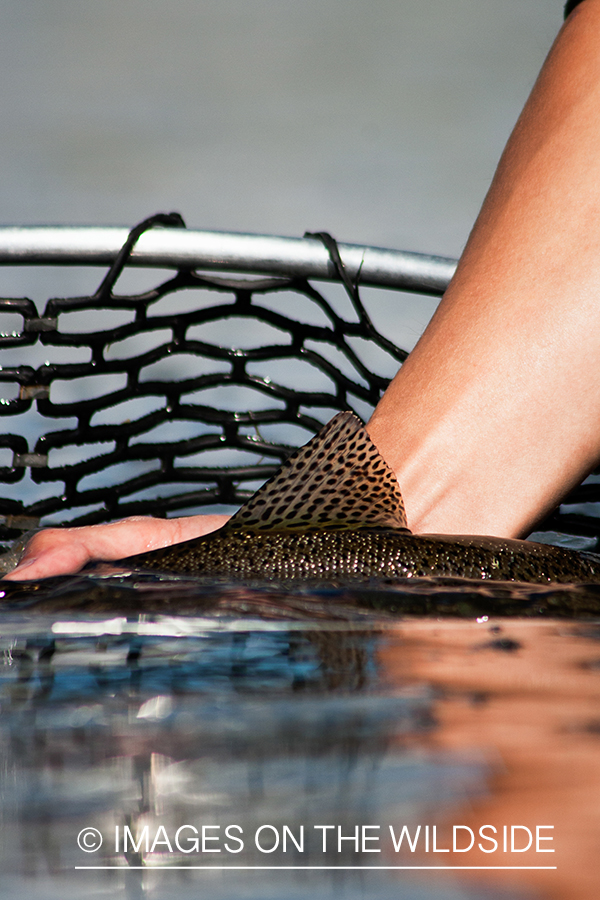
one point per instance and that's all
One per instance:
(334, 512)
(362, 555)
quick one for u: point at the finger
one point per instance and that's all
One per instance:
(64, 559)
(64, 551)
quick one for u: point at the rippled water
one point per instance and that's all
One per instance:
(138, 708)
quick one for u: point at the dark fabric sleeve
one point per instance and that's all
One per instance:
(570, 6)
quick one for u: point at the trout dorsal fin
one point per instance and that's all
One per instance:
(337, 480)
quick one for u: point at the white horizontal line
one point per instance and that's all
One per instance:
(346, 868)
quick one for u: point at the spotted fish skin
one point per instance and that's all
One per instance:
(334, 512)
(364, 555)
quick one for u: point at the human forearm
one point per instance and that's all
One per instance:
(497, 411)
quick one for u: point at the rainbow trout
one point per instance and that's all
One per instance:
(334, 512)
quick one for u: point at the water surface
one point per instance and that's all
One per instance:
(276, 713)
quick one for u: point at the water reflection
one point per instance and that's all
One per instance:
(226, 742)
(525, 694)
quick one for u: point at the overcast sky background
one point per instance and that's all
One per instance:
(378, 120)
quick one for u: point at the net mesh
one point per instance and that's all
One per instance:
(184, 396)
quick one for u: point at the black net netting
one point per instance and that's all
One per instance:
(188, 395)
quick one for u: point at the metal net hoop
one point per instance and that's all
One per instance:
(150, 406)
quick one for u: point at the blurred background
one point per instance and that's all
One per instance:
(379, 121)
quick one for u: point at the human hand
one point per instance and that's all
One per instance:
(63, 551)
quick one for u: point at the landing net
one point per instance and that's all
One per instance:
(186, 396)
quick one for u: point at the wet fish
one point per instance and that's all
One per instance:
(334, 512)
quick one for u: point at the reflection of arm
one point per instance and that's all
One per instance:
(496, 413)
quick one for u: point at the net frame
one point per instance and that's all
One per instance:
(251, 269)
